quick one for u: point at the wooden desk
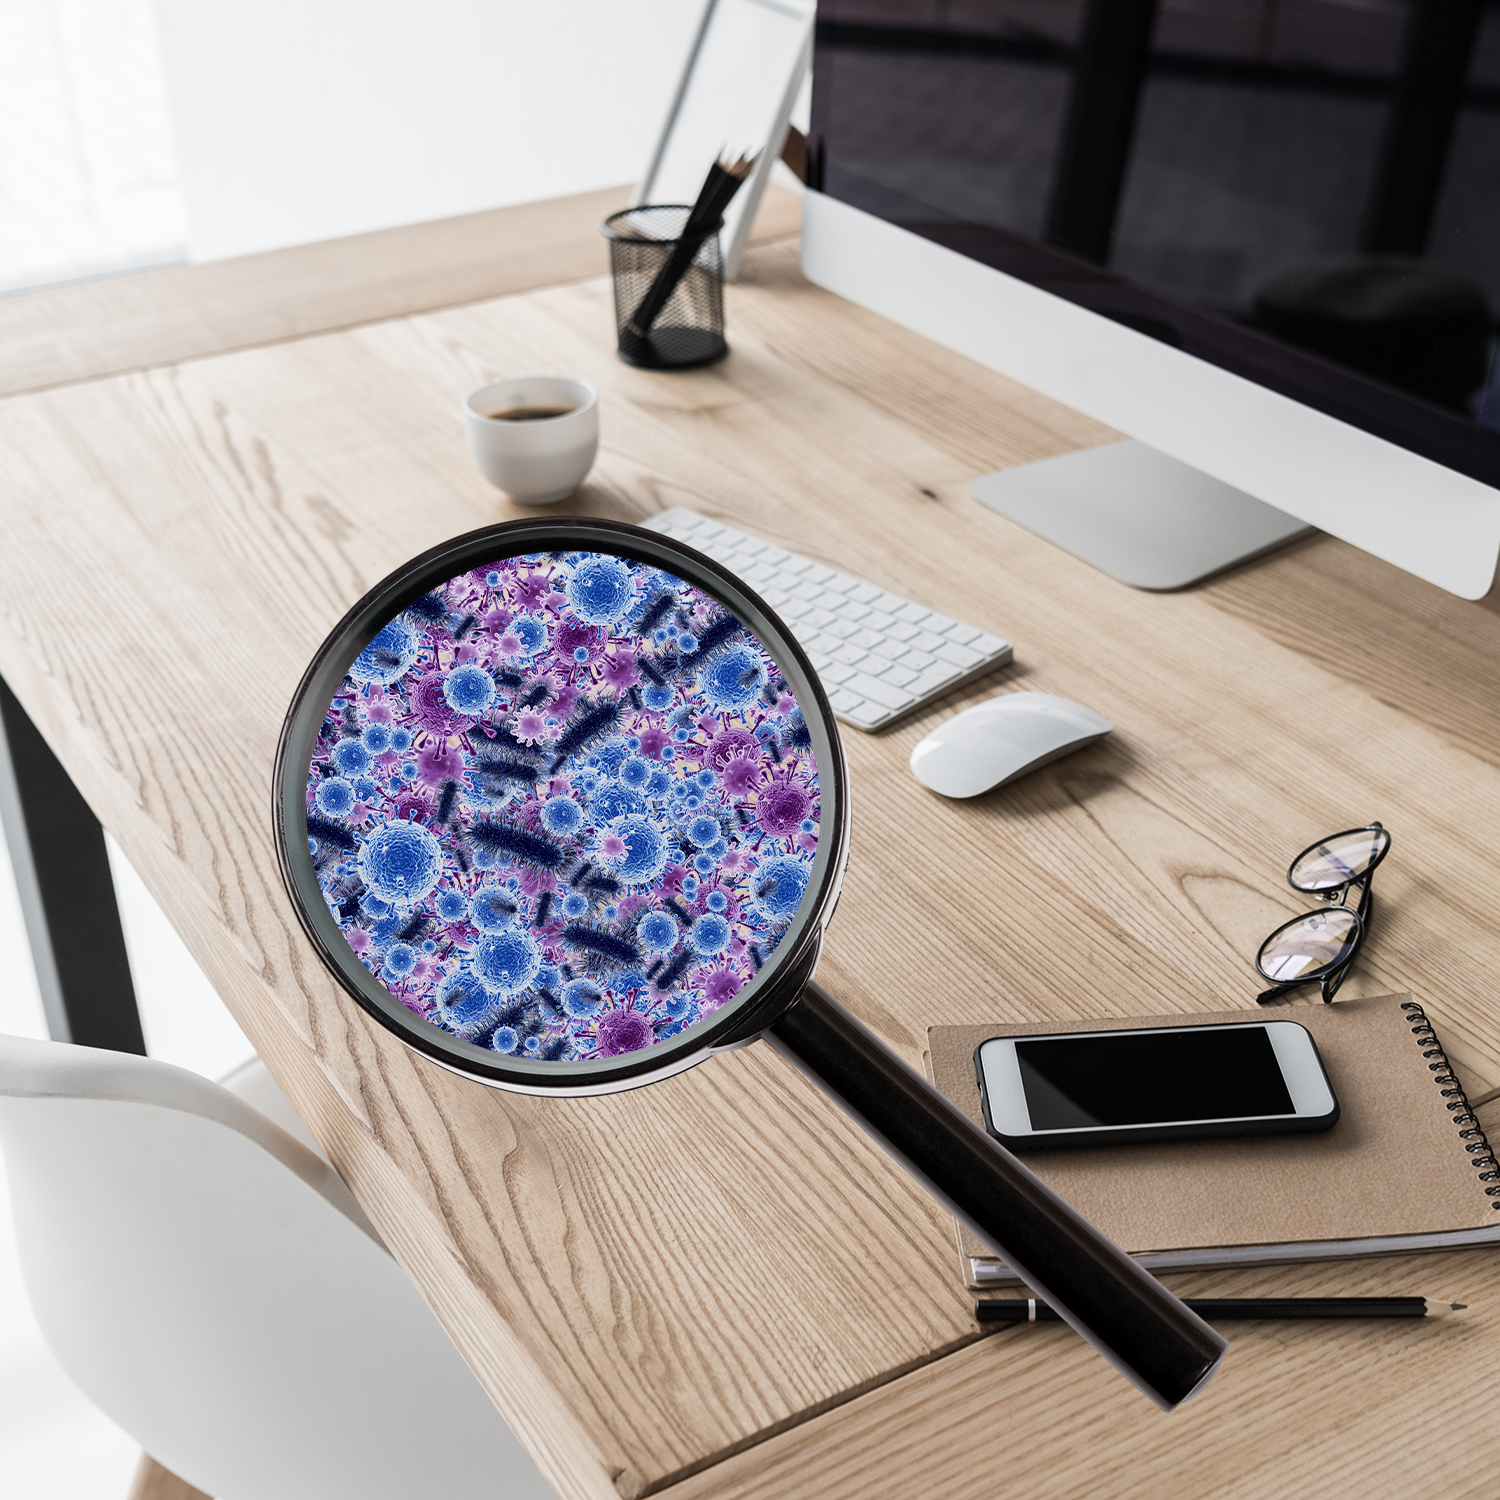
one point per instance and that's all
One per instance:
(715, 1287)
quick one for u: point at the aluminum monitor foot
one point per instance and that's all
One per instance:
(1138, 515)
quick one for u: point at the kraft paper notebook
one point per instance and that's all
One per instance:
(1400, 1171)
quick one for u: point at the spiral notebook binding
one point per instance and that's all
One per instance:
(1476, 1143)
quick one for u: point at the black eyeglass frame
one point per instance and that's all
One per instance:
(1332, 975)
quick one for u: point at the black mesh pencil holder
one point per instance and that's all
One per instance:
(688, 329)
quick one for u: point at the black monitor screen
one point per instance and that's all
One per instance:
(1305, 192)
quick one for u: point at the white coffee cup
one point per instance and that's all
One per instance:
(542, 453)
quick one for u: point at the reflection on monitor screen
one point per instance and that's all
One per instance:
(563, 806)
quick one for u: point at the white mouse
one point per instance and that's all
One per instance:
(992, 743)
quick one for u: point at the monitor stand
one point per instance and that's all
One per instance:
(1138, 515)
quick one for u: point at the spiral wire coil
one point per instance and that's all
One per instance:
(1472, 1133)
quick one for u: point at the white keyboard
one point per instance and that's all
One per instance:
(880, 656)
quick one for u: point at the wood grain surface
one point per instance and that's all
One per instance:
(715, 1285)
(152, 1482)
(120, 323)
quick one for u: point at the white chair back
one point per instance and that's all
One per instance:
(211, 1284)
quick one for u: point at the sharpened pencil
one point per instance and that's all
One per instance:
(1220, 1309)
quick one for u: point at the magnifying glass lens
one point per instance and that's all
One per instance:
(563, 806)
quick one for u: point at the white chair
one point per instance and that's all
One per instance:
(210, 1284)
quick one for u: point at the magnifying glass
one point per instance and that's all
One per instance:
(562, 804)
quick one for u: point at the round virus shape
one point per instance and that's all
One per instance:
(561, 815)
(657, 696)
(613, 801)
(703, 830)
(387, 657)
(491, 910)
(464, 1005)
(716, 901)
(429, 706)
(451, 906)
(351, 757)
(635, 773)
(644, 853)
(335, 798)
(574, 905)
(623, 1031)
(469, 690)
(505, 1039)
(400, 960)
(582, 1000)
(506, 962)
(731, 744)
(778, 886)
(781, 807)
(710, 935)
(376, 738)
(530, 633)
(733, 681)
(600, 588)
(401, 863)
(658, 932)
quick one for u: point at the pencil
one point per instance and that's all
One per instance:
(1219, 1309)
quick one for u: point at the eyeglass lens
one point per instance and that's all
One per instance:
(1316, 942)
(1339, 860)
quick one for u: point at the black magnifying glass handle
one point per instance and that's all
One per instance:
(1141, 1328)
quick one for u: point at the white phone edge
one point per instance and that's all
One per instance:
(1296, 1055)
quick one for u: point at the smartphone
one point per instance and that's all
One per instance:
(1163, 1083)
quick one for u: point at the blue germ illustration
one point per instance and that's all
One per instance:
(335, 797)
(507, 961)
(401, 863)
(388, 656)
(600, 588)
(469, 690)
(563, 807)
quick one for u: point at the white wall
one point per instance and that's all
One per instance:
(302, 120)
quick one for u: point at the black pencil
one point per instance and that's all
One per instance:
(1219, 1309)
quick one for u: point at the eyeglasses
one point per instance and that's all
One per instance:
(1319, 947)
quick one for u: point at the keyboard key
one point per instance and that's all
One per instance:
(918, 661)
(965, 635)
(864, 593)
(960, 656)
(883, 693)
(925, 640)
(867, 716)
(898, 676)
(914, 614)
(835, 672)
(932, 680)
(899, 630)
(850, 655)
(989, 644)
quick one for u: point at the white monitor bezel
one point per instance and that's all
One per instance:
(1430, 520)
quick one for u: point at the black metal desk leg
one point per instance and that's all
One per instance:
(67, 893)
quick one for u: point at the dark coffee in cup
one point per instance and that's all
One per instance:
(529, 413)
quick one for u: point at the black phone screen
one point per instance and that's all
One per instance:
(1203, 1073)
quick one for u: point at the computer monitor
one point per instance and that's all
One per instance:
(1259, 238)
